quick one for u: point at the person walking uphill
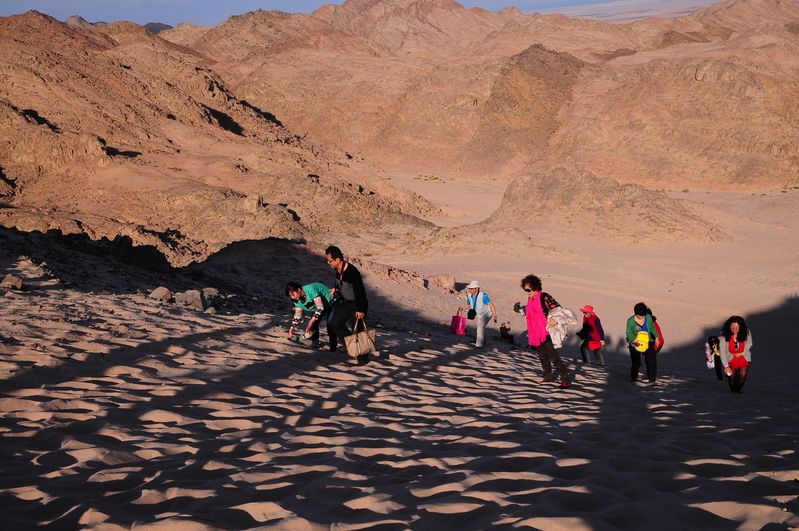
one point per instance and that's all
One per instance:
(312, 298)
(539, 305)
(592, 335)
(642, 336)
(349, 296)
(480, 308)
(736, 351)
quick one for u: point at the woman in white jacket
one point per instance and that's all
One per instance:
(735, 350)
(483, 309)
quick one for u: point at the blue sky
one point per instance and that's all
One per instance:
(212, 12)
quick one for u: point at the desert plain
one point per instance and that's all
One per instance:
(650, 160)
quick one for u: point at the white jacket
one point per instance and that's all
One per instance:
(564, 318)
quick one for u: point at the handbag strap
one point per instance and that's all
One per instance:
(474, 300)
(362, 321)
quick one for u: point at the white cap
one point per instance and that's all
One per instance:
(473, 284)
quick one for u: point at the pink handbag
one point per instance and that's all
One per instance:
(458, 326)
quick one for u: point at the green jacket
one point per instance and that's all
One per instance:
(632, 329)
(312, 291)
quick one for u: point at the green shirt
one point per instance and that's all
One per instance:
(312, 291)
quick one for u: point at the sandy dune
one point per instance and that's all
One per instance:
(119, 411)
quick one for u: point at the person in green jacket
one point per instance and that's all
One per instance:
(642, 336)
(312, 298)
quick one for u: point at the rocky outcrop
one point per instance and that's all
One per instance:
(563, 200)
(521, 114)
(112, 131)
(12, 282)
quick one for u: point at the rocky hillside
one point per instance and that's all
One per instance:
(429, 86)
(111, 130)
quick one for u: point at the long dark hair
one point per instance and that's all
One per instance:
(743, 331)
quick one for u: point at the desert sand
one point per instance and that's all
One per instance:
(653, 161)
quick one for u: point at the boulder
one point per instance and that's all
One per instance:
(210, 294)
(193, 298)
(161, 294)
(11, 282)
(445, 282)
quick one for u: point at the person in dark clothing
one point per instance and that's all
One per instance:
(349, 295)
(642, 338)
(713, 356)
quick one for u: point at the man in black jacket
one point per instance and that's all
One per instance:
(350, 302)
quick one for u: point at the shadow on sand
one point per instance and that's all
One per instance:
(438, 435)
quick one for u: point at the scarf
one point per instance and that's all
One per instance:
(536, 321)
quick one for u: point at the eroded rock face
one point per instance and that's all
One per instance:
(112, 131)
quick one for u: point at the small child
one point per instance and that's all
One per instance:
(504, 333)
(713, 356)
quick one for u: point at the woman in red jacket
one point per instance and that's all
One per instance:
(593, 336)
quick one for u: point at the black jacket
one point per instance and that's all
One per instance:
(349, 286)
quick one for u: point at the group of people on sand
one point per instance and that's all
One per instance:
(344, 303)
(547, 322)
(546, 325)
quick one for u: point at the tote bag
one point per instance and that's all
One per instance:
(458, 325)
(359, 343)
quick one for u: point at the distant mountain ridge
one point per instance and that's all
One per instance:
(413, 84)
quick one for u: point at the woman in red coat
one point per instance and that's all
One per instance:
(593, 336)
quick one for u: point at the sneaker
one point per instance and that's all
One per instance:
(363, 359)
(547, 379)
(564, 384)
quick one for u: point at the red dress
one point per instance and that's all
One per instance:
(738, 360)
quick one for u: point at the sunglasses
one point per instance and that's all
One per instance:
(528, 290)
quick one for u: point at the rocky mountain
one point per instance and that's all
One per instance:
(432, 87)
(157, 27)
(279, 125)
(111, 130)
(418, 27)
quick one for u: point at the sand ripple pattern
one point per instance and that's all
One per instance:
(129, 414)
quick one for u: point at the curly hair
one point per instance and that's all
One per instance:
(743, 331)
(533, 281)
